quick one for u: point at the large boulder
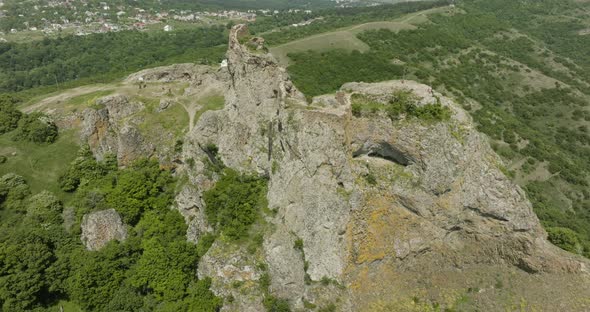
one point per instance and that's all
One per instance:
(101, 227)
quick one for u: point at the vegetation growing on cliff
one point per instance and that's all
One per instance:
(402, 103)
(235, 202)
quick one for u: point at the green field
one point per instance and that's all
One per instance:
(345, 38)
(324, 42)
(39, 164)
(207, 103)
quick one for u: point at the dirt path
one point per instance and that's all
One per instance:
(65, 95)
(195, 106)
(191, 110)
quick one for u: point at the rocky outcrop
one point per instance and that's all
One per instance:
(101, 227)
(235, 273)
(191, 207)
(176, 72)
(106, 130)
(440, 203)
(151, 112)
(436, 217)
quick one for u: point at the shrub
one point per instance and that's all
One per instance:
(274, 304)
(371, 179)
(85, 168)
(9, 115)
(264, 281)
(136, 189)
(356, 109)
(212, 162)
(201, 299)
(401, 103)
(35, 127)
(13, 189)
(44, 208)
(178, 146)
(211, 149)
(564, 238)
(329, 308)
(190, 162)
(165, 267)
(298, 244)
(205, 242)
(432, 112)
(405, 102)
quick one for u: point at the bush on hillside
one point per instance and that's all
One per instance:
(9, 115)
(37, 128)
(564, 238)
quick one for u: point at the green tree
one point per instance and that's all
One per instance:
(233, 204)
(9, 115)
(44, 208)
(143, 186)
(85, 168)
(167, 225)
(127, 299)
(36, 127)
(13, 190)
(96, 276)
(201, 299)
(23, 261)
(165, 269)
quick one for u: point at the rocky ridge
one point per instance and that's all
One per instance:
(437, 222)
(440, 201)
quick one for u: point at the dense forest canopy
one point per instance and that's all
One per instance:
(42, 261)
(103, 56)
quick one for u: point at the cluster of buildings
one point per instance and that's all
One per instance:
(305, 23)
(80, 18)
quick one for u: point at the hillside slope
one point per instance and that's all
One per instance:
(521, 70)
(372, 212)
(379, 197)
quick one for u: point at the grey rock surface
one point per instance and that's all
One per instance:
(191, 207)
(101, 227)
(235, 272)
(108, 131)
(176, 72)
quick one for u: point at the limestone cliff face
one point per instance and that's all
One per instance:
(439, 220)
